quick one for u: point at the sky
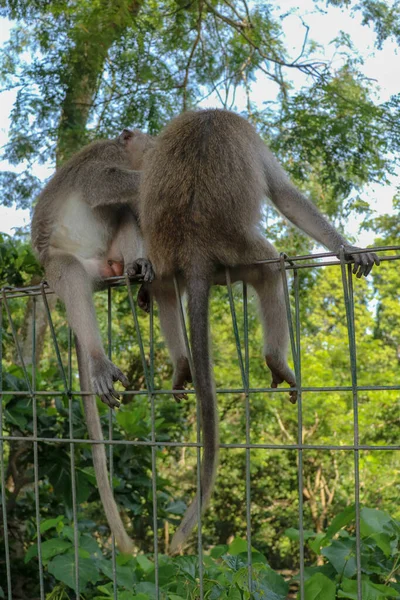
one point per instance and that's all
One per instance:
(325, 24)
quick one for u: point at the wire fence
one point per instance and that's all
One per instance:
(291, 265)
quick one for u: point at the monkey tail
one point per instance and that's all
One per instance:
(198, 287)
(122, 539)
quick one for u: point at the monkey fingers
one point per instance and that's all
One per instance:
(143, 267)
(363, 262)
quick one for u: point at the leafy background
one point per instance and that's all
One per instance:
(86, 70)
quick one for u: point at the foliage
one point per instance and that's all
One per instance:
(379, 552)
(225, 571)
(17, 262)
(225, 567)
(87, 69)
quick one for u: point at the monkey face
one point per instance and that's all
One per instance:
(137, 144)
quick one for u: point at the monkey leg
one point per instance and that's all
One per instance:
(128, 243)
(170, 321)
(72, 283)
(267, 282)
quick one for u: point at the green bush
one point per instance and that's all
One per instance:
(225, 567)
(380, 557)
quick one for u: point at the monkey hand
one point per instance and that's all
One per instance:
(281, 372)
(363, 262)
(103, 374)
(182, 376)
(143, 267)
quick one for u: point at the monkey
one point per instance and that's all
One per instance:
(84, 229)
(201, 192)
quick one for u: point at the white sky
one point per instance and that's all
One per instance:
(325, 25)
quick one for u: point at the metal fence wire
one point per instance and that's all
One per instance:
(290, 268)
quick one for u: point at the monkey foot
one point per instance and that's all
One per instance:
(182, 376)
(281, 372)
(143, 298)
(143, 267)
(103, 375)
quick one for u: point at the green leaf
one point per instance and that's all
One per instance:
(49, 548)
(176, 508)
(270, 585)
(234, 562)
(370, 591)
(294, 534)
(88, 543)
(53, 547)
(341, 555)
(237, 546)
(319, 587)
(383, 541)
(341, 520)
(233, 594)
(219, 550)
(1, 592)
(257, 557)
(320, 540)
(373, 521)
(107, 589)
(31, 553)
(144, 563)
(63, 569)
(133, 421)
(125, 575)
(146, 587)
(50, 523)
(188, 566)
(16, 418)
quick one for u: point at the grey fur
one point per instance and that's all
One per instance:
(200, 204)
(85, 218)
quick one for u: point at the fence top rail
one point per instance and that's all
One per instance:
(291, 263)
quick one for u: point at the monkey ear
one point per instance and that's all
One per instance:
(126, 135)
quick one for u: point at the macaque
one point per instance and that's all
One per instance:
(201, 192)
(85, 229)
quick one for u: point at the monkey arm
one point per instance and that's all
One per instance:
(106, 185)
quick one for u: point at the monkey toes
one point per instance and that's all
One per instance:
(182, 376)
(143, 298)
(281, 372)
(103, 375)
(142, 267)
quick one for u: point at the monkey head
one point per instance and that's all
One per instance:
(136, 144)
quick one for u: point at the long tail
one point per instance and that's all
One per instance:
(122, 539)
(198, 293)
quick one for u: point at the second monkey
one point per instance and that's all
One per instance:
(201, 194)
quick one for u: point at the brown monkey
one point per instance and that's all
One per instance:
(84, 229)
(200, 205)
